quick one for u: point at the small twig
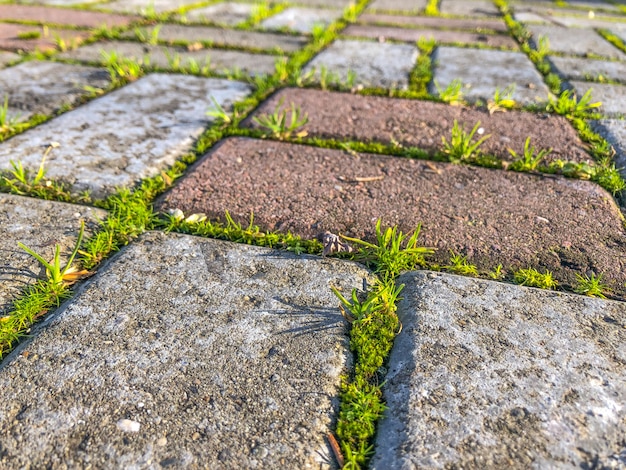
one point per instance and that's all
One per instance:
(361, 179)
(334, 445)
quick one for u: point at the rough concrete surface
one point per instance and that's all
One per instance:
(490, 375)
(472, 24)
(614, 131)
(64, 16)
(587, 41)
(302, 20)
(37, 87)
(226, 13)
(405, 6)
(612, 97)
(143, 6)
(122, 137)
(8, 57)
(482, 71)
(186, 353)
(468, 8)
(46, 39)
(577, 68)
(375, 64)
(40, 225)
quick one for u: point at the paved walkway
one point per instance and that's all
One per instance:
(184, 351)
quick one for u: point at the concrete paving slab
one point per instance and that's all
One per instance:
(7, 57)
(493, 216)
(491, 375)
(412, 6)
(588, 69)
(20, 37)
(226, 13)
(165, 57)
(375, 64)
(468, 8)
(614, 131)
(341, 4)
(471, 24)
(439, 35)
(587, 41)
(39, 87)
(144, 6)
(122, 137)
(40, 225)
(530, 17)
(421, 124)
(616, 23)
(621, 34)
(482, 71)
(302, 20)
(227, 37)
(594, 5)
(189, 353)
(58, 2)
(63, 16)
(612, 97)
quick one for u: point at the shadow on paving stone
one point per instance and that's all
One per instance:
(184, 352)
(422, 124)
(493, 216)
(491, 375)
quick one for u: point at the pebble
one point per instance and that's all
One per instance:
(128, 425)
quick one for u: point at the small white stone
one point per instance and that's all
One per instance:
(128, 425)
(161, 441)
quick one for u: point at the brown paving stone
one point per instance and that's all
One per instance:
(10, 41)
(442, 36)
(472, 24)
(422, 124)
(492, 216)
(64, 16)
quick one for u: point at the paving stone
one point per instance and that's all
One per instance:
(421, 124)
(123, 137)
(517, 219)
(593, 5)
(490, 375)
(143, 6)
(530, 17)
(58, 2)
(46, 41)
(302, 20)
(164, 56)
(184, 352)
(398, 5)
(614, 131)
(472, 24)
(586, 22)
(325, 3)
(621, 34)
(40, 225)
(7, 57)
(441, 36)
(375, 64)
(612, 97)
(482, 71)
(226, 13)
(585, 69)
(587, 41)
(228, 37)
(64, 16)
(44, 87)
(468, 8)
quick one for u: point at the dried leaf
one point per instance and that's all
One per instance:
(334, 244)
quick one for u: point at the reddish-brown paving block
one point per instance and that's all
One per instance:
(493, 216)
(422, 124)
(48, 38)
(440, 35)
(62, 16)
(471, 24)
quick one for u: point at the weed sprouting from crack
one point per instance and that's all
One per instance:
(568, 105)
(7, 124)
(218, 113)
(460, 265)
(533, 278)
(277, 124)
(122, 70)
(591, 286)
(452, 94)
(530, 160)
(502, 100)
(148, 36)
(461, 146)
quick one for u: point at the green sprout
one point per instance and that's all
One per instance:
(533, 278)
(530, 160)
(591, 286)
(278, 125)
(460, 265)
(452, 94)
(569, 106)
(461, 147)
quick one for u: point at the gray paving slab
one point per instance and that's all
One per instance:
(8, 57)
(166, 57)
(302, 20)
(227, 13)
(594, 4)
(614, 131)
(40, 225)
(468, 8)
(398, 5)
(621, 34)
(492, 375)
(324, 3)
(585, 69)
(482, 71)
(188, 353)
(612, 97)
(587, 41)
(570, 21)
(129, 134)
(375, 64)
(530, 17)
(227, 37)
(145, 6)
(40, 87)
(57, 2)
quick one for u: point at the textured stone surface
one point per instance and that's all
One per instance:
(123, 137)
(530, 17)
(228, 37)
(43, 87)
(491, 216)
(421, 124)
(490, 375)
(326, 3)
(482, 71)
(81, 18)
(58, 2)
(375, 64)
(144, 6)
(8, 57)
(587, 41)
(398, 5)
(468, 8)
(583, 69)
(612, 97)
(302, 20)
(40, 225)
(226, 13)
(585, 22)
(614, 131)
(445, 36)
(165, 57)
(184, 352)
(472, 24)
(11, 37)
